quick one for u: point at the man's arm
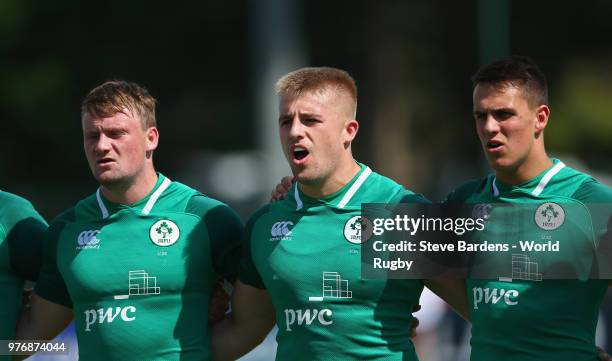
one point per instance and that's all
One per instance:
(453, 292)
(42, 320)
(50, 308)
(251, 319)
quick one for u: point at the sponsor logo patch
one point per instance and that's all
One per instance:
(494, 296)
(88, 240)
(334, 288)
(281, 231)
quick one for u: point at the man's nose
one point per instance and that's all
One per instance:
(103, 144)
(297, 128)
(491, 125)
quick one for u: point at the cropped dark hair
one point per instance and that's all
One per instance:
(518, 71)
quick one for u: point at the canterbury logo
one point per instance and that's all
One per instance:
(88, 238)
(281, 229)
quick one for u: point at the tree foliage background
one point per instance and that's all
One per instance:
(412, 61)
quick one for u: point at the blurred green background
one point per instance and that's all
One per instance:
(212, 66)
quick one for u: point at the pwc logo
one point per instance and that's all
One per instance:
(334, 288)
(307, 317)
(88, 240)
(281, 231)
(108, 315)
(494, 296)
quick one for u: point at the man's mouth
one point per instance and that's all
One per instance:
(104, 161)
(494, 145)
(300, 153)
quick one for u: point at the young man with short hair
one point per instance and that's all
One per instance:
(135, 262)
(536, 319)
(302, 262)
(530, 320)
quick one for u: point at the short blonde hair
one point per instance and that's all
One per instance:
(114, 96)
(317, 79)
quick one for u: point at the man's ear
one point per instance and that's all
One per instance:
(350, 131)
(542, 114)
(152, 139)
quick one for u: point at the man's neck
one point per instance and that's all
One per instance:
(332, 184)
(527, 170)
(131, 192)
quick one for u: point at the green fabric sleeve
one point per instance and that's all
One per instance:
(598, 199)
(461, 193)
(25, 241)
(248, 273)
(25, 231)
(51, 285)
(413, 198)
(225, 232)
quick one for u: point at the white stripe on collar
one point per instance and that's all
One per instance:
(347, 196)
(494, 186)
(355, 187)
(547, 177)
(101, 205)
(298, 200)
(543, 182)
(151, 202)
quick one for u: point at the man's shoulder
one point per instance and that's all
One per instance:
(181, 188)
(467, 189)
(265, 210)
(67, 216)
(579, 185)
(203, 206)
(12, 200)
(177, 192)
(12, 203)
(592, 191)
(181, 198)
(84, 210)
(18, 217)
(382, 189)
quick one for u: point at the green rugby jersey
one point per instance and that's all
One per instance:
(139, 277)
(306, 253)
(21, 233)
(529, 318)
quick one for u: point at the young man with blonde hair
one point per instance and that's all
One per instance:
(137, 261)
(526, 319)
(301, 256)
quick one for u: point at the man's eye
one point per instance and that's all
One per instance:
(502, 115)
